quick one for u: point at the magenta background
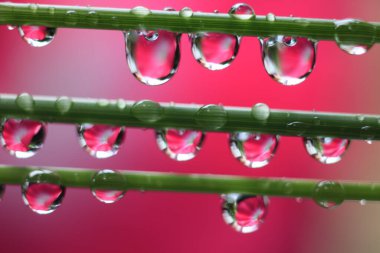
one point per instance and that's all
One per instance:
(90, 63)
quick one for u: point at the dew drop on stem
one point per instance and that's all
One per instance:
(100, 186)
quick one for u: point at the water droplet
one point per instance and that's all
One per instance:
(186, 12)
(325, 149)
(37, 36)
(178, 144)
(51, 10)
(104, 178)
(25, 102)
(252, 149)
(33, 8)
(103, 102)
(42, 191)
(260, 111)
(147, 111)
(153, 60)
(288, 60)
(363, 202)
(71, 18)
(11, 27)
(140, 11)
(63, 104)
(121, 104)
(347, 29)
(271, 17)
(299, 200)
(244, 213)
(214, 51)
(211, 116)
(101, 141)
(21, 137)
(242, 11)
(93, 17)
(2, 191)
(361, 118)
(328, 194)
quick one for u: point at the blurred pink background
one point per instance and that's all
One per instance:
(91, 63)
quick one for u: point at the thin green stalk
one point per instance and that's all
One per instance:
(126, 19)
(211, 118)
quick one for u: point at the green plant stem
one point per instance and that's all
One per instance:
(126, 19)
(216, 184)
(186, 116)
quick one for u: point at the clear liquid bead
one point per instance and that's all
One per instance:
(101, 141)
(42, 191)
(242, 11)
(37, 36)
(153, 56)
(22, 138)
(288, 60)
(103, 178)
(252, 149)
(244, 213)
(214, 51)
(178, 144)
(326, 150)
(328, 194)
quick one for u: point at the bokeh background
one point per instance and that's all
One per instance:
(91, 63)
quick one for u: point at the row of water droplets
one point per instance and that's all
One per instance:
(153, 56)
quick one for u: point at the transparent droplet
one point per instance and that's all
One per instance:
(37, 36)
(328, 194)
(100, 186)
(42, 191)
(180, 145)
(260, 111)
(21, 137)
(244, 213)
(326, 150)
(11, 27)
(2, 191)
(186, 12)
(147, 111)
(288, 60)
(25, 102)
(101, 141)
(140, 11)
(71, 18)
(271, 17)
(252, 149)
(153, 60)
(63, 104)
(93, 17)
(242, 11)
(363, 202)
(211, 116)
(33, 8)
(344, 29)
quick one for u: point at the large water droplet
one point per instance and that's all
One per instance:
(180, 145)
(288, 60)
(214, 51)
(326, 150)
(211, 116)
(101, 141)
(147, 111)
(343, 29)
(245, 213)
(252, 149)
(242, 11)
(153, 56)
(260, 111)
(43, 191)
(100, 182)
(328, 194)
(21, 137)
(25, 102)
(37, 36)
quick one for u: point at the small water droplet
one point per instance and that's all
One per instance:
(242, 11)
(244, 213)
(328, 194)
(288, 60)
(361, 118)
(11, 27)
(103, 102)
(25, 102)
(63, 104)
(211, 116)
(186, 12)
(37, 36)
(214, 51)
(169, 8)
(147, 111)
(365, 133)
(93, 17)
(51, 10)
(101, 141)
(121, 104)
(140, 11)
(104, 178)
(344, 34)
(22, 138)
(363, 202)
(42, 191)
(71, 18)
(271, 17)
(260, 111)
(299, 200)
(252, 149)
(325, 149)
(178, 144)
(33, 8)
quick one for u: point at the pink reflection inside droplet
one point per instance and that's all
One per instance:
(333, 147)
(251, 211)
(43, 197)
(34, 32)
(108, 196)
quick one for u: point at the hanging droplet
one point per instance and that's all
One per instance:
(214, 51)
(21, 137)
(153, 56)
(242, 11)
(252, 149)
(37, 36)
(326, 150)
(288, 60)
(2, 191)
(180, 145)
(42, 191)
(100, 186)
(245, 213)
(211, 116)
(186, 12)
(101, 141)
(328, 194)
(345, 30)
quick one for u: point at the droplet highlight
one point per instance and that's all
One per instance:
(37, 36)
(328, 194)
(242, 11)
(100, 186)
(326, 150)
